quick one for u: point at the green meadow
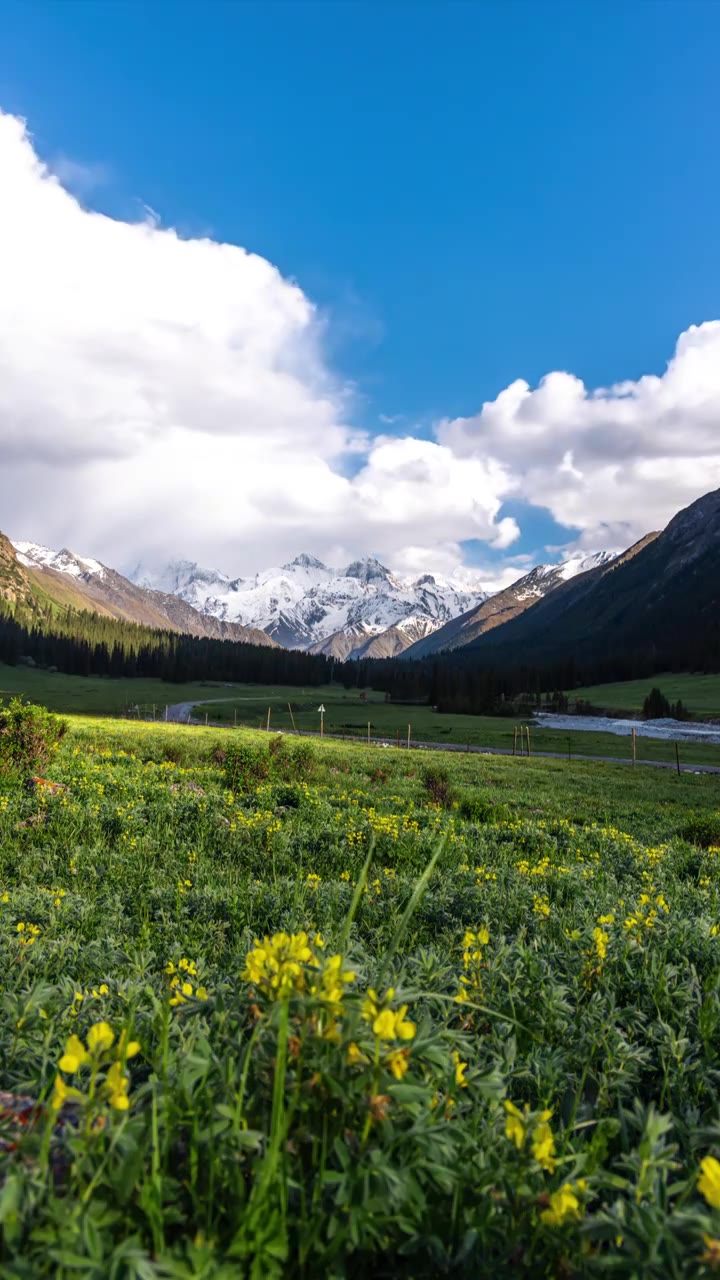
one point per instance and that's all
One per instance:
(276, 1007)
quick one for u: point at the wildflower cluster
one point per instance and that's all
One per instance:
(28, 933)
(523, 1125)
(278, 967)
(181, 988)
(471, 982)
(108, 1080)
(645, 915)
(566, 1204)
(388, 1026)
(595, 956)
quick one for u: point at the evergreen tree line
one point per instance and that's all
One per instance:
(88, 644)
(84, 643)
(459, 683)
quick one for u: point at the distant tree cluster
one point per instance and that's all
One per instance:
(657, 707)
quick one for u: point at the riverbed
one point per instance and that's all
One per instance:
(667, 730)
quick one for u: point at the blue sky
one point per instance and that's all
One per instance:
(472, 193)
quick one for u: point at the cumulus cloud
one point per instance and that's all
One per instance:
(613, 462)
(163, 396)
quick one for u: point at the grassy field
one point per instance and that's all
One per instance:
(345, 713)
(276, 1008)
(700, 693)
(98, 695)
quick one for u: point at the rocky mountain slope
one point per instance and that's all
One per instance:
(307, 605)
(16, 593)
(500, 608)
(66, 580)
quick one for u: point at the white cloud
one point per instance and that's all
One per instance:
(614, 462)
(162, 396)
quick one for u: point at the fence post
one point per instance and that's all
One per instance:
(527, 730)
(677, 758)
(368, 733)
(634, 745)
(409, 737)
(268, 721)
(515, 740)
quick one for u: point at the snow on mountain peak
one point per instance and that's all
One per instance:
(305, 561)
(368, 570)
(580, 563)
(304, 602)
(34, 556)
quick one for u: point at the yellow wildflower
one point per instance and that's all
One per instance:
(75, 1055)
(543, 1144)
(460, 1069)
(100, 1038)
(516, 1123)
(712, 1252)
(116, 1085)
(127, 1048)
(278, 965)
(397, 1061)
(63, 1093)
(394, 1026)
(709, 1181)
(564, 1206)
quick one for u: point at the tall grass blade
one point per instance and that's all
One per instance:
(410, 909)
(362, 881)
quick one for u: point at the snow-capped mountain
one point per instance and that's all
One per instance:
(34, 556)
(78, 582)
(305, 604)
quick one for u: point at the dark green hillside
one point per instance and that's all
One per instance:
(661, 601)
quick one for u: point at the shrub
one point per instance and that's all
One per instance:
(28, 736)
(437, 787)
(703, 829)
(302, 761)
(477, 808)
(244, 765)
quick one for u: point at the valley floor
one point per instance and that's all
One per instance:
(347, 713)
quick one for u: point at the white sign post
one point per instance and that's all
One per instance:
(321, 709)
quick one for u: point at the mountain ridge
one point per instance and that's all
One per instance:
(501, 607)
(70, 581)
(661, 597)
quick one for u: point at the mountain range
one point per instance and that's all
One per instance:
(500, 608)
(661, 596)
(360, 611)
